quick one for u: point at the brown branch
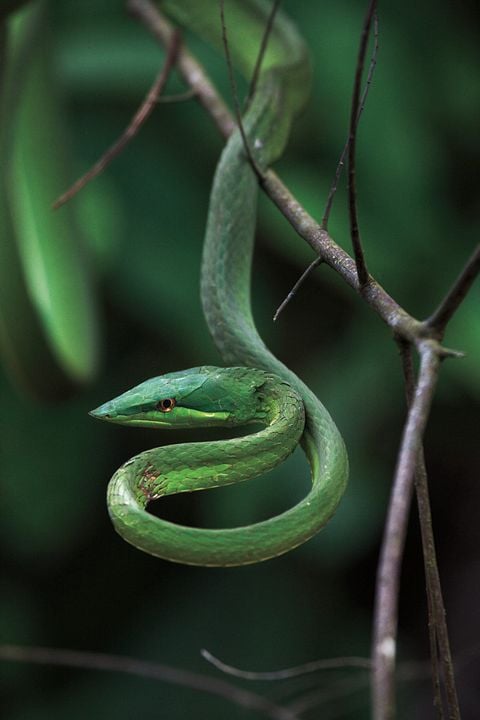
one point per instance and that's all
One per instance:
(352, 142)
(144, 111)
(154, 671)
(439, 319)
(388, 575)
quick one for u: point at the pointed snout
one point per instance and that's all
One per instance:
(105, 411)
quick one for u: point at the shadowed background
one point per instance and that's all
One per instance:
(67, 579)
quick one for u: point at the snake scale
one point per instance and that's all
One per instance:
(257, 387)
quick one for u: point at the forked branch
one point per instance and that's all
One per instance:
(424, 335)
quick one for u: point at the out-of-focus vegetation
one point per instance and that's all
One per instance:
(67, 579)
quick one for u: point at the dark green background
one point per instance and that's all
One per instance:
(67, 579)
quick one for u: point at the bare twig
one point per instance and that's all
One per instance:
(262, 50)
(310, 667)
(338, 172)
(189, 68)
(341, 162)
(333, 255)
(314, 264)
(456, 294)
(144, 111)
(439, 642)
(388, 575)
(141, 668)
(236, 102)
(435, 596)
(352, 142)
(177, 98)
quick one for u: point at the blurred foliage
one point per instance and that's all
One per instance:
(47, 306)
(67, 579)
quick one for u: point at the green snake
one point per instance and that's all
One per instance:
(258, 388)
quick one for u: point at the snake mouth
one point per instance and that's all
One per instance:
(107, 413)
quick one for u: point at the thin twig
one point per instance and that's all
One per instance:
(438, 630)
(333, 255)
(310, 667)
(341, 162)
(439, 319)
(177, 98)
(236, 102)
(262, 50)
(314, 264)
(141, 668)
(388, 574)
(189, 68)
(352, 142)
(429, 555)
(338, 172)
(144, 111)
(436, 596)
(439, 642)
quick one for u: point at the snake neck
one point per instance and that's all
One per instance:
(226, 275)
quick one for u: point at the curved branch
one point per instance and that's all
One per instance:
(142, 668)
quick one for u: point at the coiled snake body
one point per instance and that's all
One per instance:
(261, 389)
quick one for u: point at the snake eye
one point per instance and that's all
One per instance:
(166, 405)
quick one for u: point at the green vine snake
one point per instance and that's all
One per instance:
(258, 388)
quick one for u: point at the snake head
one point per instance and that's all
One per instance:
(202, 396)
